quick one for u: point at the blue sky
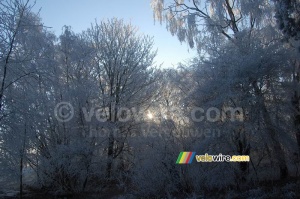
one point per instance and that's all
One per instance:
(79, 14)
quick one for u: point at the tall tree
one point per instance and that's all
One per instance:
(288, 20)
(124, 66)
(210, 24)
(24, 43)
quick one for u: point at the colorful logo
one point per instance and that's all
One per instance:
(185, 157)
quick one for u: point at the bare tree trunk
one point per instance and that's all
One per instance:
(110, 150)
(296, 103)
(21, 176)
(110, 154)
(278, 152)
(22, 151)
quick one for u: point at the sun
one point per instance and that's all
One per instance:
(150, 115)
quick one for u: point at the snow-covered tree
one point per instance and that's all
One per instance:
(124, 67)
(239, 25)
(25, 47)
(288, 20)
(288, 17)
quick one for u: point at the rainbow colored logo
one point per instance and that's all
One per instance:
(185, 157)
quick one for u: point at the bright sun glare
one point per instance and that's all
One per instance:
(150, 115)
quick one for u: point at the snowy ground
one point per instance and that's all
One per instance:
(290, 190)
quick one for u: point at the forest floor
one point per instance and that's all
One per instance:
(288, 189)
